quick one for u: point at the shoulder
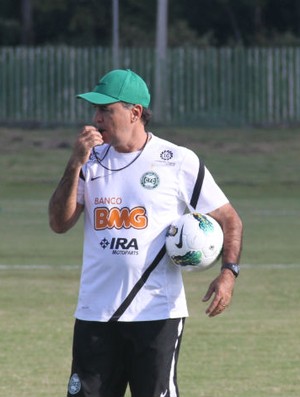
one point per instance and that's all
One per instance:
(171, 150)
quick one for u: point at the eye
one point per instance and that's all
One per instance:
(101, 108)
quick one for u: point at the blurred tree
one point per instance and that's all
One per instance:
(137, 22)
(249, 22)
(10, 25)
(192, 22)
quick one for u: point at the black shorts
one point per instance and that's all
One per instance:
(109, 356)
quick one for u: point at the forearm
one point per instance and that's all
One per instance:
(233, 233)
(63, 208)
(222, 287)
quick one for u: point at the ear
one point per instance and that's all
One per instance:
(136, 112)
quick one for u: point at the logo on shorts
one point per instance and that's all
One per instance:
(150, 180)
(74, 385)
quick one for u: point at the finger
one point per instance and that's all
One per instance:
(90, 131)
(208, 294)
(211, 308)
(217, 309)
(90, 137)
(86, 140)
(89, 128)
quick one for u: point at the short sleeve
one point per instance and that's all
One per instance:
(210, 196)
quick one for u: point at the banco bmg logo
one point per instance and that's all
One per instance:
(120, 245)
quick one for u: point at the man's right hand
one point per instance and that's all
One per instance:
(86, 140)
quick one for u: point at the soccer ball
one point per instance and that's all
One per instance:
(194, 241)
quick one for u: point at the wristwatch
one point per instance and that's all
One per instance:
(234, 267)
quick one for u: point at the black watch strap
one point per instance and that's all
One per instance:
(234, 267)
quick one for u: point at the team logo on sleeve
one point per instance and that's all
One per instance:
(150, 180)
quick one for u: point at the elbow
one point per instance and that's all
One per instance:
(234, 219)
(239, 223)
(235, 223)
(60, 225)
(57, 225)
(60, 222)
(57, 228)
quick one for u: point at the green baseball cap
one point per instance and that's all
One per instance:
(119, 85)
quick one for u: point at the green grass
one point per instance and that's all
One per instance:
(36, 331)
(252, 350)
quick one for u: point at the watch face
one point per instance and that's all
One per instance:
(235, 268)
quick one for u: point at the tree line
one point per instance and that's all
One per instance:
(190, 22)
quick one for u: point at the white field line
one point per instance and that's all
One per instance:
(272, 266)
(75, 267)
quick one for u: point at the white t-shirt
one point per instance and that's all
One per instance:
(127, 213)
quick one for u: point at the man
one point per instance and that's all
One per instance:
(131, 185)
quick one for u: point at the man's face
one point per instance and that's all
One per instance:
(114, 121)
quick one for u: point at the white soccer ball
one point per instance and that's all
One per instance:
(194, 241)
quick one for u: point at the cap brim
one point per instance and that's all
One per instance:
(97, 99)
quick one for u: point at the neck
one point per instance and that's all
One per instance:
(133, 145)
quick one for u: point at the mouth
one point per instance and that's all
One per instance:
(104, 135)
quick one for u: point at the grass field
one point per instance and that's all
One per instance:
(252, 350)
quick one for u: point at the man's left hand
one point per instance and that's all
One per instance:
(222, 288)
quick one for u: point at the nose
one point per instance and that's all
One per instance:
(98, 115)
